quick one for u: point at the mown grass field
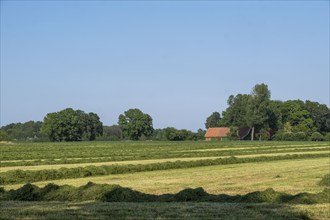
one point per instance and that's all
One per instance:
(167, 167)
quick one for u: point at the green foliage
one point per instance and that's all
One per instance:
(294, 113)
(22, 131)
(134, 123)
(254, 110)
(299, 136)
(320, 114)
(200, 134)
(4, 135)
(257, 110)
(213, 120)
(263, 134)
(173, 134)
(233, 134)
(159, 135)
(289, 136)
(292, 119)
(93, 127)
(72, 125)
(111, 133)
(235, 114)
(316, 136)
(327, 136)
(274, 121)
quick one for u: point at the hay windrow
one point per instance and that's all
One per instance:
(116, 193)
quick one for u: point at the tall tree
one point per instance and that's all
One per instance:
(320, 114)
(213, 120)
(258, 107)
(135, 123)
(93, 126)
(274, 116)
(266, 117)
(235, 114)
(294, 113)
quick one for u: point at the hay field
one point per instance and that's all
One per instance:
(167, 167)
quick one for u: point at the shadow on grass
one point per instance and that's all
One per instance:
(155, 210)
(115, 202)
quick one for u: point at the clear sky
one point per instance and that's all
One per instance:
(178, 61)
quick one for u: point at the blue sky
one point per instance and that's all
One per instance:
(176, 60)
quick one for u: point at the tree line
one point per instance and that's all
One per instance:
(76, 125)
(273, 119)
(267, 119)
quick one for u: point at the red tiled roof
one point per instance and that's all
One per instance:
(217, 132)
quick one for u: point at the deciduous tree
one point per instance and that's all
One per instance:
(213, 120)
(135, 123)
(71, 125)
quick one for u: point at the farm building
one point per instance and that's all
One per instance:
(217, 134)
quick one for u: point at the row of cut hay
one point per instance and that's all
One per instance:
(115, 193)
(125, 150)
(20, 176)
(159, 155)
(99, 163)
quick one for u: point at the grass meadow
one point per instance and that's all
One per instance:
(158, 168)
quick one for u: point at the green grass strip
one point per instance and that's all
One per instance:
(20, 176)
(185, 154)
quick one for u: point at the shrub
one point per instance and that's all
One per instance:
(263, 134)
(4, 135)
(316, 136)
(278, 136)
(299, 136)
(327, 136)
(288, 136)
